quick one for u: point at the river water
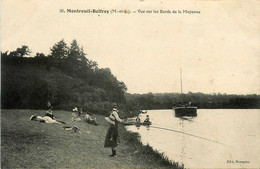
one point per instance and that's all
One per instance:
(216, 138)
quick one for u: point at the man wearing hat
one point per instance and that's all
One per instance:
(111, 139)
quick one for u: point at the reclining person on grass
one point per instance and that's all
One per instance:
(89, 120)
(45, 119)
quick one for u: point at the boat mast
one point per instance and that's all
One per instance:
(181, 80)
(181, 88)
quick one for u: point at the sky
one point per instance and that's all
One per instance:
(218, 50)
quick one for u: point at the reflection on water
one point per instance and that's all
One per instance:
(216, 138)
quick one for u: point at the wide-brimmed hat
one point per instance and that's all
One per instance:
(109, 120)
(33, 117)
(75, 109)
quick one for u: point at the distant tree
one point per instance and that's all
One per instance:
(74, 51)
(24, 50)
(122, 86)
(13, 54)
(93, 65)
(82, 55)
(39, 55)
(60, 50)
(4, 54)
(19, 52)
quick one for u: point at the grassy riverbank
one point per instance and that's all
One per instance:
(31, 144)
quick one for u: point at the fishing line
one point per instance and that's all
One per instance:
(177, 131)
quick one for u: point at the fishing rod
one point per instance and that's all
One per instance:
(177, 131)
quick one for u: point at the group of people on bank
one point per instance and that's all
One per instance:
(77, 115)
(112, 137)
(50, 118)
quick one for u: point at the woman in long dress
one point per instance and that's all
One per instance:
(112, 136)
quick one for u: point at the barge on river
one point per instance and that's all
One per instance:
(185, 111)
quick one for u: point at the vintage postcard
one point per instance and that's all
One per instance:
(183, 75)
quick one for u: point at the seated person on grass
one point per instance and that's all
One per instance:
(147, 120)
(49, 113)
(138, 120)
(80, 112)
(75, 116)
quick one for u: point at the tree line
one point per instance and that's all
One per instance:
(200, 100)
(67, 78)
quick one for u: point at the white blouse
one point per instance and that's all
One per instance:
(114, 116)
